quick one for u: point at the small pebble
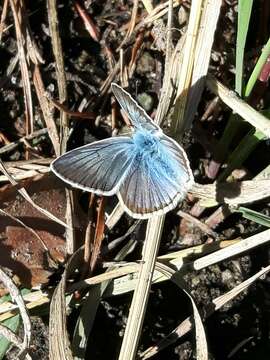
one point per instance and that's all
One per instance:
(146, 101)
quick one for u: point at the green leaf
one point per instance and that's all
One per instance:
(254, 216)
(244, 12)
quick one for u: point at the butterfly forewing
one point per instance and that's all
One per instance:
(156, 185)
(149, 172)
(99, 167)
(136, 114)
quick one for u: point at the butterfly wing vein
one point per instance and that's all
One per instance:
(99, 167)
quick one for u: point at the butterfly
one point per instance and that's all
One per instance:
(148, 171)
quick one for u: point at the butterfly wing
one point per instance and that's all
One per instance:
(135, 112)
(156, 185)
(99, 167)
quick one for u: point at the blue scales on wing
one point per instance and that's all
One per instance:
(137, 115)
(156, 182)
(99, 167)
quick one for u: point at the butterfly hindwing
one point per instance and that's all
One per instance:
(149, 172)
(179, 155)
(137, 115)
(156, 185)
(99, 167)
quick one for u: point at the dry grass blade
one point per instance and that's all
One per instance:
(158, 12)
(223, 299)
(127, 283)
(26, 196)
(173, 62)
(132, 22)
(233, 250)
(236, 193)
(70, 219)
(148, 5)
(13, 145)
(208, 24)
(119, 286)
(17, 13)
(3, 18)
(115, 216)
(149, 254)
(88, 311)
(170, 82)
(46, 109)
(60, 70)
(59, 344)
(64, 126)
(201, 343)
(32, 300)
(187, 65)
(141, 293)
(17, 297)
(20, 172)
(187, 324)
(238, 105)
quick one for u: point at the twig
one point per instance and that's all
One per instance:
(26, 227)
(88, 22)
(205, 228)
(26, 196)
(132, 22)
(17, 13)
(13, 145)
(64, 126)
(3, 18)
(76, 114)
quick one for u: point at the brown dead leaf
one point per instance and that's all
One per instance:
(20, 249)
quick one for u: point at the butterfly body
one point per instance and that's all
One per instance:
(148, 171)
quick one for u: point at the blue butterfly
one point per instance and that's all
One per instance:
(148, 171)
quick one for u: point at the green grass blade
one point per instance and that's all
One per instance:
(241, 152)
(13, 324)
(244, 12)
(234, 123)
(254, 216)
(258, 68)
